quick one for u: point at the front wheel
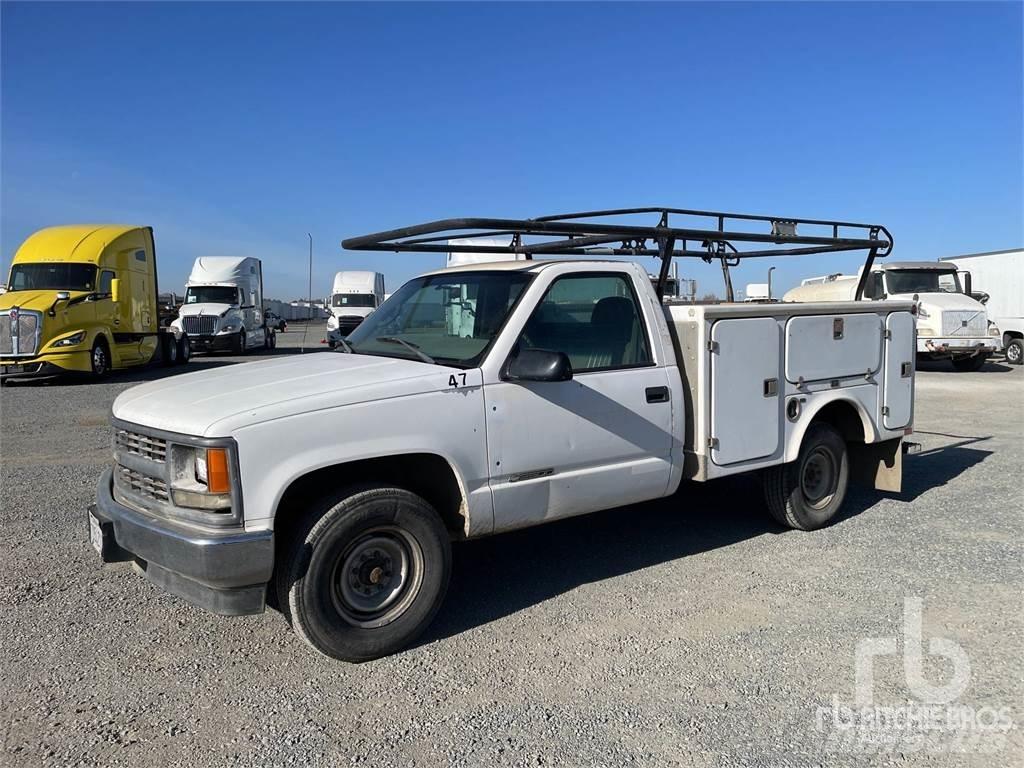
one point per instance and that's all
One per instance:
(169, 350)
(970, 363)
(365, 573)
(806, 493)
(1015, 352)
(239, 345)
(99, 359)
(184, 349)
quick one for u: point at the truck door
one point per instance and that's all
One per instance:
(597, 441)
(898, 382)
(746, 415)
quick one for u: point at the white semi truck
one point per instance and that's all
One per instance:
(223, 308)
(951, 324)
(570, 388)
(354, 296)
(999, 275)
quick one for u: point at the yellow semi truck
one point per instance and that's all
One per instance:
(83, 299)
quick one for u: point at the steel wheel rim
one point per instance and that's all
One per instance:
(1013, 353)
(99, 359)
(377, 577)
(818, 477)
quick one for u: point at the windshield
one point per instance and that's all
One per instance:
(451, 318)
(211, 294)
(353, 300)
(52, 277)
(921, 281)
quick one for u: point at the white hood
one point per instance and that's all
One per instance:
(204, 309)
(218, 402)
(941, 301)
(351, 311)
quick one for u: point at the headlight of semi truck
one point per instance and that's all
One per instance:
(70, 341)
(229, 327)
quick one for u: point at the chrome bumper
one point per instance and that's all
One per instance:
(224, 572)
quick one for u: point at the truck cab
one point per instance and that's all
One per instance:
(354, 296)
(223, 305)
(951, 324)
(83, 299)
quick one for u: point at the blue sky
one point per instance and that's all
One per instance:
(234, 129)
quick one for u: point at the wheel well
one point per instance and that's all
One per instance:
(1009, 336)
(101, 338)
(844, 416)
(425, 474)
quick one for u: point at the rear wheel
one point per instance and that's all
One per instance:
(971, 363)
(365, 573)
(169, 349)
(1015, 352)
(99, 358)
(807, 493)
(184, 349)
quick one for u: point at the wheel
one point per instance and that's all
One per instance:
(807, 493)
(1015, 352)
(99, 358)
(972, 363)
(184, 350)
(365, 573)
(239, 345)
(273, 341)
(168, 349)
(267, 336)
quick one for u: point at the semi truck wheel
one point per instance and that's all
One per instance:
(1015, 352)
(168, 349)
(806, 493)
(239, 345)
(364, 573)
(971, 363)
(184, 349)
(99, 358)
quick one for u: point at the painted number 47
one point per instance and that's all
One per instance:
(457, 380)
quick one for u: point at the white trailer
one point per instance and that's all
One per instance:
(570, 389)
(1000, 275)
(354, 297)
(223, 307)
(951, 324)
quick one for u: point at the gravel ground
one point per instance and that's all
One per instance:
(690, 631)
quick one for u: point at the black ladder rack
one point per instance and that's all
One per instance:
(590, 233)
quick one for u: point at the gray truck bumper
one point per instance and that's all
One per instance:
(225, 573)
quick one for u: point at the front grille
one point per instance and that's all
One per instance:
(152, 448)
(20, 336)
(199, 325)
(964, 323)
(136, 482)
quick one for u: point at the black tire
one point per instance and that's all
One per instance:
(1015, 352)
(267, 338)
(238, 347)
(184, 350)
(972, 363)
(807, 493)
(168, 350)
(99, 358)
(364, 535)
(273, 341)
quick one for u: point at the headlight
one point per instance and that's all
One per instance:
(70, 341)
(993, 330)
(205, 482)
(228, 327)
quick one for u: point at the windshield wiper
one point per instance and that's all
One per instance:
(408, 345)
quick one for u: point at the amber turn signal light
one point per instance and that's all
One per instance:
(218, 480)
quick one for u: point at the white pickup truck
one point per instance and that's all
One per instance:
(571, 389)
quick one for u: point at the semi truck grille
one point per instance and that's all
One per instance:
(199, 325)
(152, 448)
(19, 332)
(964, 323)
(138, 483)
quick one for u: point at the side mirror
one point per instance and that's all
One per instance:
(538, 365)
(63, 295)
(968, 283)
(115, 290)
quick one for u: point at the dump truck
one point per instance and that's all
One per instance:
(84, 299)
(566, 388)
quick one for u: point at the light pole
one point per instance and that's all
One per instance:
(309, 297)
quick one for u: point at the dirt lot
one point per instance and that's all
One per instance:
(691, 631)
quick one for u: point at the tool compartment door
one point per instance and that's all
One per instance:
(821, 347)
(745, 389)
(898, 383)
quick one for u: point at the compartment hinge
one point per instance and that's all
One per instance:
(712, 346)
(713, 443)
(887, 334)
